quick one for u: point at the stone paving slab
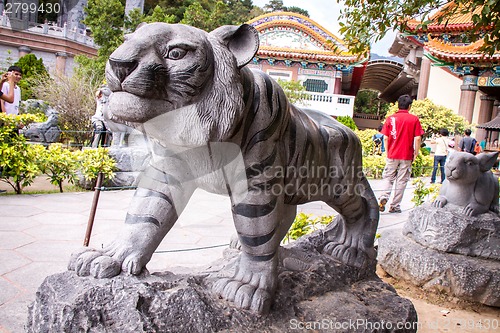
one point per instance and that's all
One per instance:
(38, 233)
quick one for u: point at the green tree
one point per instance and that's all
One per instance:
(133, 19)
(367, 101)
(32, 68)
(365, 22)
(298, 10)
(158, 15)
(294, 90)
(105, 18)
(433, 117)
(277, 6)
(197, 16)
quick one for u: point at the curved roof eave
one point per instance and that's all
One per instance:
(334, 48)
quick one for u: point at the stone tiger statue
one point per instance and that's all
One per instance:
(228, 129)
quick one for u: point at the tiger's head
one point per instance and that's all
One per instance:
(178, 72)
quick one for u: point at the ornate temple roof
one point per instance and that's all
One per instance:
(457, 22)
(288, 35)
(437, 42)
(460, 53)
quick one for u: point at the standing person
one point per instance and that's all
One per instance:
(440, 154)
(9, 79)
(100, 135)
(402, 134)
(12, 108)
(378, 140)
(468, 143)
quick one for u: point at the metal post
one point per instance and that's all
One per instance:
(93, 210)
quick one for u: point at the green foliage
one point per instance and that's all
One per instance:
(366, 138)
(73, 98)
(32, 68)
(422, 165)
(365, 22)
(58, 164)
(347, 121)
(158, 15)
(277, 6)
(94, 161)
(294, 91)
(421, 191)
(305, 224)
(433, 117)
(367, 101)
(105, 20)
(373, 166)
(17, 158)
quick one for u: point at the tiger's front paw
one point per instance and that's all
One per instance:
(253, 285)
(107, 263)
(94, 263)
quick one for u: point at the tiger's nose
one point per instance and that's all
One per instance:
(122, 68)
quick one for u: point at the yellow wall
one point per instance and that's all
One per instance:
(444, 89)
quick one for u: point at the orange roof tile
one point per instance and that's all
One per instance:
(456, 22)
(449, 52)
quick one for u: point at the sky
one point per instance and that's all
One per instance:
(326, 14)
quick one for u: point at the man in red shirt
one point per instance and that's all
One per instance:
(402, 135)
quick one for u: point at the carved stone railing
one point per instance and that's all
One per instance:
(74, 34)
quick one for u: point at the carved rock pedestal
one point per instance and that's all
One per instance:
(441, 249)
(130, 162)
(314, 293)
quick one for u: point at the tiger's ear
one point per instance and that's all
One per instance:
(242, 41)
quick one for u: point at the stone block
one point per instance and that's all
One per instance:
(447, 229)
(470, 278)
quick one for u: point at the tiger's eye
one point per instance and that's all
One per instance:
(176, 54)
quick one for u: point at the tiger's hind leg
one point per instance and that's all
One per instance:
(253, 283)
(351, 242)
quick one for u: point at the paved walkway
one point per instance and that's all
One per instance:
(38, 233)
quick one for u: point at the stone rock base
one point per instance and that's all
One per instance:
(315, 293)
(469, 278)
(449, 230)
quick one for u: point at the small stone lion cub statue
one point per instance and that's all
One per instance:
(218, 125)
(470, 183)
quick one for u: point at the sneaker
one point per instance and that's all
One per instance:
(381, 205)
(395, 210)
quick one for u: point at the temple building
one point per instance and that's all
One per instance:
(294, 47)
(449, 70)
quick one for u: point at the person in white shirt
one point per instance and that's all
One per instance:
(9, 79)
(12, 108)
(440, 154)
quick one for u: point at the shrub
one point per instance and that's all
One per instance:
(18, 159)
(59, 164)
(95, 161)
(421, 191)
(305, 224)
(347, 121)
(73, 99)
(366, 138)
(373, 166)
